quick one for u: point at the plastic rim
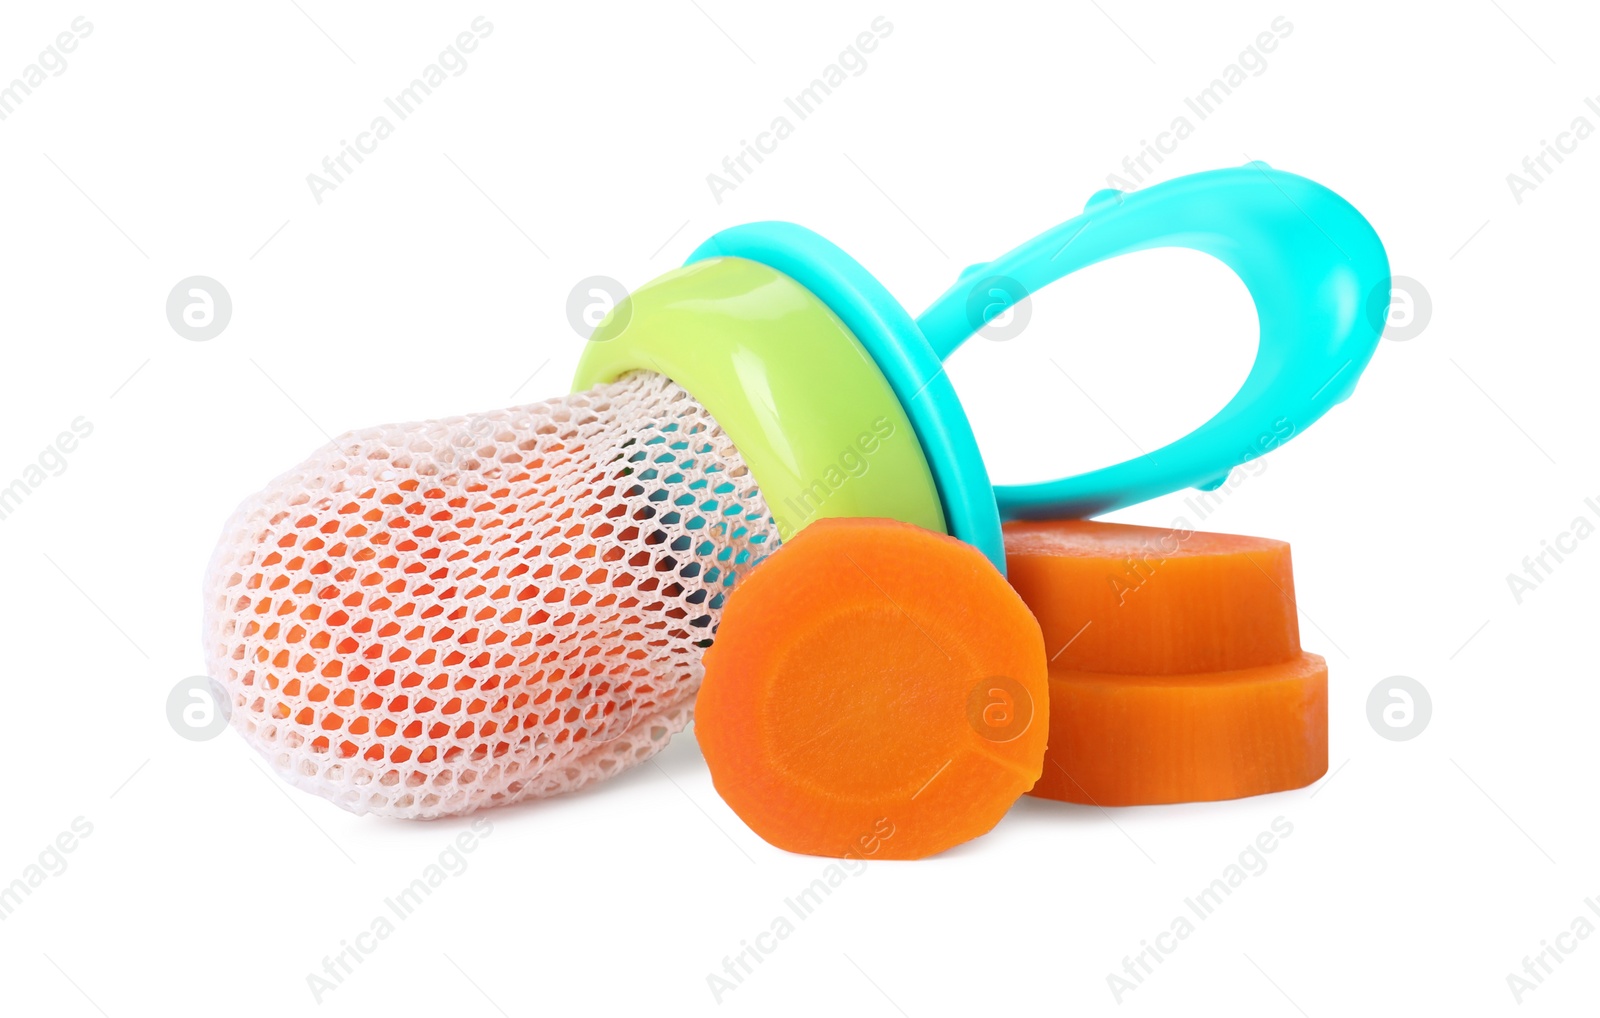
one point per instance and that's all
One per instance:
(809, 411)
(912, 368)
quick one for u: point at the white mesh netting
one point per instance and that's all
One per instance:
(426, 619)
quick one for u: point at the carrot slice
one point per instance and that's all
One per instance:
(1126, 740)
(875, 689)
(1147, 601)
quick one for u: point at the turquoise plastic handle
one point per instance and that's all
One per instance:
(1316, 271)
(1314, 267)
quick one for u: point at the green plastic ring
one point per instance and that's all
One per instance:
(805, 404)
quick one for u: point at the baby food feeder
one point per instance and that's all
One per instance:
(1308, 258)
(427, 619)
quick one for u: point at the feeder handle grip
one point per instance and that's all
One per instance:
(1314, 267)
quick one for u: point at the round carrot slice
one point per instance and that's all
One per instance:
(1136, 740)
(875, 690)
(1150, 601)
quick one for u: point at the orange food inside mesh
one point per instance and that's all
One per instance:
(431, 618)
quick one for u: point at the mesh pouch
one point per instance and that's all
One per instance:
(427, 619)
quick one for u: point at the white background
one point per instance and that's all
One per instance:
(577, 142)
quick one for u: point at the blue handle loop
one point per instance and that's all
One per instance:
(1314, 267)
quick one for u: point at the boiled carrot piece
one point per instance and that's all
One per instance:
(1111, 597)
(1125, 740)
(874, 690)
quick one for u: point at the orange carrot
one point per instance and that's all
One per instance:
(1125, 740)
(1146, 601)
(1177, 674)
(875, 691)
